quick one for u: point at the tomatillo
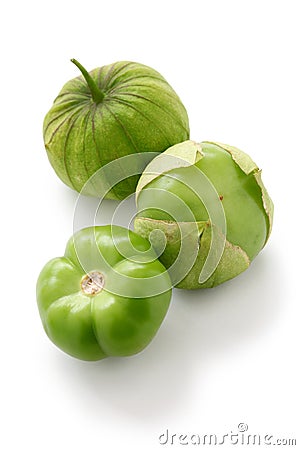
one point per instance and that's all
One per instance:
(206, 211)
(107, 296)
(113, 111)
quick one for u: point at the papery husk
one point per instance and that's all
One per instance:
(234, 260)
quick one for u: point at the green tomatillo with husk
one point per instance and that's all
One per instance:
(111, 112)
(206, 211)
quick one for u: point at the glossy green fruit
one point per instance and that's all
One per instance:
(107, 296)
(211, 195)
(113, 111)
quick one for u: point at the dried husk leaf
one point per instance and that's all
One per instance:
(234, 260)
(267, 202)
(243, 160)
(184, 154)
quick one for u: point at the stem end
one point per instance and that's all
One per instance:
(97, 94)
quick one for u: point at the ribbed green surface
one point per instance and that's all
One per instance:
(140, 112)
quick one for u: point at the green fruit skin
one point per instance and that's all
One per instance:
(92, 327)
(248, 224)
(140, 112)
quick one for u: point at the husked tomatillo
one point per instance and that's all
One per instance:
(107, 296)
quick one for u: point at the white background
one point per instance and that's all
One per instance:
(223, 356)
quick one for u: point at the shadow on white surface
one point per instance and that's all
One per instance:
(201, 326)
(89, 211)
